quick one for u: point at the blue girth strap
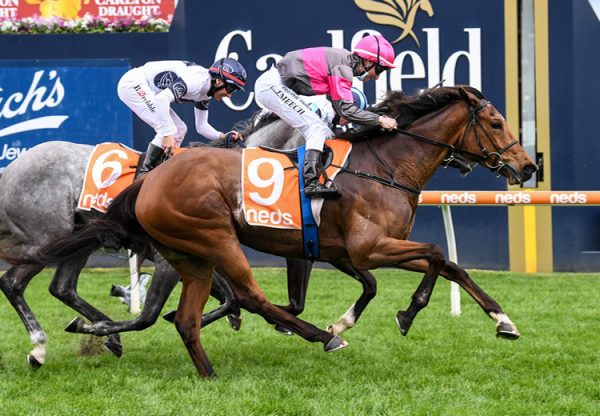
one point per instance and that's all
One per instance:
(310, 230)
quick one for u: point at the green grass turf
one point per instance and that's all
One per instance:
(445, 366)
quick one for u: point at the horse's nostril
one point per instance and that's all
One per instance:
(530, 169)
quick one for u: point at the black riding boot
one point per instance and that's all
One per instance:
(312, 171)
(153, 155)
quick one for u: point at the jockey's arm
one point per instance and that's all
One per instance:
(202, 126)
(340, 85)
(349, 111)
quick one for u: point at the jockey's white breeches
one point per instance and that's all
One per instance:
(134, 91)
(281, 100)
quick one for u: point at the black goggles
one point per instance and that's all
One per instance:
(231, 88)
(379, 69)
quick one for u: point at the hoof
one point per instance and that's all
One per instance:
(170, 316)
(403, 322)
(33, 362)
(75, 326)
(115, 347)
(235, 321)
(508, 331)
(335, 343)
(283, 330)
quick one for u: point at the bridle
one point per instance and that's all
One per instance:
(492, 160)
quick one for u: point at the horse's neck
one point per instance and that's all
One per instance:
(414, 161)
(278, 135)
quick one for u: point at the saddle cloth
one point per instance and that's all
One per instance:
(270, 186)
(110, 169)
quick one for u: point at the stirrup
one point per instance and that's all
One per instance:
(318, 190)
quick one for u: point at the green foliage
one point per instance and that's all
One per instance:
(445, 366)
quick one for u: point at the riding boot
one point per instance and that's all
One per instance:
(153, 156)
(312, 171)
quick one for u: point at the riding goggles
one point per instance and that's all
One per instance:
(231, 88)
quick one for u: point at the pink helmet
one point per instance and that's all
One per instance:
(376, 48)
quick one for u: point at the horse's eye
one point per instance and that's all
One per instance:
(496, 126)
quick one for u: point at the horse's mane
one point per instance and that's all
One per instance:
(408, 108)
(257, 121)
(404, 108)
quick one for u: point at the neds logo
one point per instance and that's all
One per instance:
(514, 198)
(568, 198)
(459, 198)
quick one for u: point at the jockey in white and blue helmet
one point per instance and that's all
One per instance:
(149, 91)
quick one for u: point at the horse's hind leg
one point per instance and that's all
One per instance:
(229, 306)
(369, 284)
(64, 288)
(196, 278)
(163, 282)
(235, 266)
(13, 284)
(298, 274)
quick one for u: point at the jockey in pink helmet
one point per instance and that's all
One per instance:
(376, 49)
(329, 71)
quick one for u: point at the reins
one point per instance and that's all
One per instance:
(384, 181)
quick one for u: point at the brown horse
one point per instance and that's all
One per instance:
(191, 208)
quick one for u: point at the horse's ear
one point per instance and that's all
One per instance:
(465, 96)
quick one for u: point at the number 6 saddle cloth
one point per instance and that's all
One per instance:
(270, 186)
(110, 169)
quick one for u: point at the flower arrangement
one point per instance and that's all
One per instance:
(85, 24)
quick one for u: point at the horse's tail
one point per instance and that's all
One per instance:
(117, 228)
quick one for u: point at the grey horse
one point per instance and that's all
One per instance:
(38, 203)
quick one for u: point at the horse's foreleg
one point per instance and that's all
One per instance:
(392, 252)
(13, 284)
(505, 328)
(419, 300)
(451, 271)
(369, 284)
